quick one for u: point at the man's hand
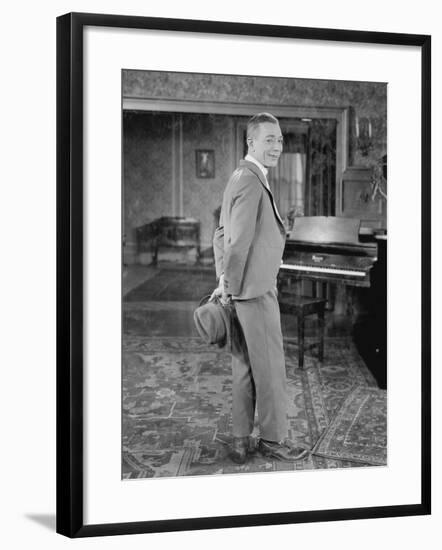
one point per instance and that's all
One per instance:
(220, 292)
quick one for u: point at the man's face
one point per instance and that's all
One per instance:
(265, 145)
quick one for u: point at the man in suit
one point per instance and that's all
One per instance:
(248, 247)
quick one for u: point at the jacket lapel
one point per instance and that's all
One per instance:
(251, 166)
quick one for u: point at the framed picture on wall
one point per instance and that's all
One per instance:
(205, 163)
(144, 405)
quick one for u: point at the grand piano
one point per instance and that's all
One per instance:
(336, 250)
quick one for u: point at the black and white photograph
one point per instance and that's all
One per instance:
(254, 306)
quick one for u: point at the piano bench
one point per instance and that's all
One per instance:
(301, 306)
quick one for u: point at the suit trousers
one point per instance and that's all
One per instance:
(259, 376)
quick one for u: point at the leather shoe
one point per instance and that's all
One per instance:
(239, 449)
(284, 450)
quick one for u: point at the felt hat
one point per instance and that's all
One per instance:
(213, 322)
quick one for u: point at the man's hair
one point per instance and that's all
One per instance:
(258, 119)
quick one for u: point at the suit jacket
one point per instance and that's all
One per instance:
(249, 242)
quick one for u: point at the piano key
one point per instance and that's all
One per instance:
(315, 269)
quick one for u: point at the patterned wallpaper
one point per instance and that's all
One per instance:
(147, 168)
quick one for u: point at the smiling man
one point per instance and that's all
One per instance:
(248, 248)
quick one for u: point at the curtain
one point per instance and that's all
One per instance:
(288, 184)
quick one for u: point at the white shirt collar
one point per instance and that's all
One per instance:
(258, 164)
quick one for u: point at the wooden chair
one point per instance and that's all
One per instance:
(301, 306)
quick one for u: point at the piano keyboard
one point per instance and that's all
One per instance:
(316, 269)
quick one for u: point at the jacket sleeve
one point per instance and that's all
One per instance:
(218, 250)
(243, 214)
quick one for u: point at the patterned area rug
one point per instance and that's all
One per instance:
(177, 406)
(358, 432)
(186, 284)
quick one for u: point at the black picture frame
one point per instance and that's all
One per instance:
(70, 246)
(205, 163)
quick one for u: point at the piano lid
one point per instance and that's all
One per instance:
(326, 230)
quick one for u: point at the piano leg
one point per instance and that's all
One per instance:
(341, 300)
(301, 340)
(321, 318)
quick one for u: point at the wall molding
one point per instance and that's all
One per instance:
(228, 108)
